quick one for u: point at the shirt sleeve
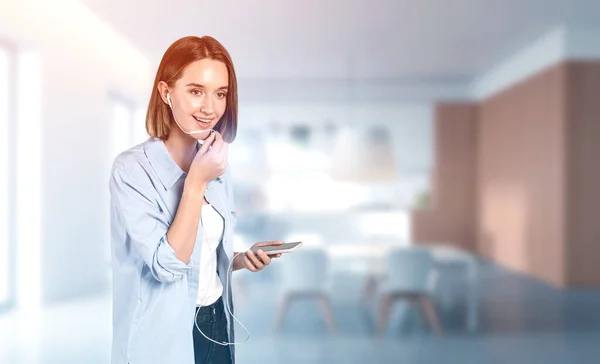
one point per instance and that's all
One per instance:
(146, 225)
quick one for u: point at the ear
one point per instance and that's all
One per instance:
(163, 90)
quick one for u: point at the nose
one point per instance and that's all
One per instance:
(207, 106)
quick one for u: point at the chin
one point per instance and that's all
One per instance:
(200, 136)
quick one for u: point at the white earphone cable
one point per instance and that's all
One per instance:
(229, 270)
(227, 284)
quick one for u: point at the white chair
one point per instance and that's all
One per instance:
(305, 275)
(410, 275)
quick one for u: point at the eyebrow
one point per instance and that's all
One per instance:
(202, 86)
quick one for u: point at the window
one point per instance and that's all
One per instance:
(20, 189)
(122, 128)
(127, 130)
(128, 126)
(6, 272)
(28, 169)
(139, 126)
(300, 162)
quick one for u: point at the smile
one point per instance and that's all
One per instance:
(206, 121)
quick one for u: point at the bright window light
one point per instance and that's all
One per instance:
(122, 128)
(386, 225)
(29, 115)
(313, 193)
(139, 126)
(300, 180)
(5, 274)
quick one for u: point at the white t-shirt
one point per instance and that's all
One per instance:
(210, 287)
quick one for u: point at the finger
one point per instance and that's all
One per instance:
(207, 142)
(218, 138)
(216, 146)
(264, 257)
(268, 243)
(248, 264)
(218, 135)
(254, 259)
(224, 149)
(224, 163)
(223, 154)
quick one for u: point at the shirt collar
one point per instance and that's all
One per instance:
(165, 167)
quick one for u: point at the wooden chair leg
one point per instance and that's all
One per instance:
(327, 312)
(384, 311)
(431, 314)
(369, 289)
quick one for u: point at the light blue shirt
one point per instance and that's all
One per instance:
(154, 293)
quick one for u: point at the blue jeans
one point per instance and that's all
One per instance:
(213, 323)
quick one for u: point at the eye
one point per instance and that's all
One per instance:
(220, 95)
(196, 92)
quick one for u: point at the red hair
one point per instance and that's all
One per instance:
(177, 57)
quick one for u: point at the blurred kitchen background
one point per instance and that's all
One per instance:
(439, 160)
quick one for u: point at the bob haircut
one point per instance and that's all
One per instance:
(177, 57)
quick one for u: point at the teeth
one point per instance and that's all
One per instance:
(202, 120)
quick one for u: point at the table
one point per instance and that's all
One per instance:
(370, 260)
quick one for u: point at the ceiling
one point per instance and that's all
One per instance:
(406, 40)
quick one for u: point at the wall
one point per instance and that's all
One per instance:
(583, 174)
(450, 218)
(536, 176)
(521, 176)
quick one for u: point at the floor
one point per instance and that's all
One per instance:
(522, 321)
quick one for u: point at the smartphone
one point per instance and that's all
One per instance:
(276, 249)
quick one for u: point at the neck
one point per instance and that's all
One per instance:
(182, 148)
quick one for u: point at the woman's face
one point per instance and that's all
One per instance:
(199, 97)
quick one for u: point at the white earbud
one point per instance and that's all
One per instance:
(169, 100)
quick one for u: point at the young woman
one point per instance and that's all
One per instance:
(173, 216)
